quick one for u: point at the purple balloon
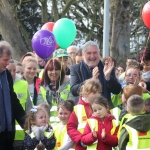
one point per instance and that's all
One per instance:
(43, 43)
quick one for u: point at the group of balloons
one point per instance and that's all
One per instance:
(53, 35)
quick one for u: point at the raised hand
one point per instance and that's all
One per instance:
(108, 67)
(103, 134)
(95, 73)
(94, 133)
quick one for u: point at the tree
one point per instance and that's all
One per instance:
(10, 30)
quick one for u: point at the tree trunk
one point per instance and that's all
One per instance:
(10, 30)
(120, 34)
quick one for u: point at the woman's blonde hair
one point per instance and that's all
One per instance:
(29, 59)
(91, 86)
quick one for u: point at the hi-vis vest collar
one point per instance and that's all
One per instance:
(137, 140)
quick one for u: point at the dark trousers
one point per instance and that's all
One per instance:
(6, 141)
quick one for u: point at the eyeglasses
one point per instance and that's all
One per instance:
(133, 76)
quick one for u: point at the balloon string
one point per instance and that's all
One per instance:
(44, 72)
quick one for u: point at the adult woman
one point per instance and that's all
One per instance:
(37, 92)
(57, 86)
(145, 61)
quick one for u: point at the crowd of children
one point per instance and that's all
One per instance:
(55, 122)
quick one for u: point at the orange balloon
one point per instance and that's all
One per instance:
(48, 26)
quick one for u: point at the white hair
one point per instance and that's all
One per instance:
(90, 43)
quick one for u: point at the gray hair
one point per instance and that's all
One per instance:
(90, 43)
(5, 46)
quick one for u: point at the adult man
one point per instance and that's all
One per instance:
(10, 108)
(71, 50)
(92, 67)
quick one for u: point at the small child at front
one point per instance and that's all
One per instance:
(63, 141)
(101, 129)
(82, 111)
(38, 132)
(135, 132)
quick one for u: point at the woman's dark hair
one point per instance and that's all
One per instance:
(67, 104)
(101, 101)
(144, 55)
(50, 65)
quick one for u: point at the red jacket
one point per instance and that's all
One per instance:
(103, 144)
(72, 125)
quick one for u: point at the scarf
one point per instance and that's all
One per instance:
(86, 73)
(5, 103)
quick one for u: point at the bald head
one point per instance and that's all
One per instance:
(71, 50)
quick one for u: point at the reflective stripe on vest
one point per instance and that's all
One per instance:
(137, 140)
(61, 135)
(116, 113)
(81, 116)
(46, 134)
(64, 94)
(21, 90)
(43, 93)
(93, 123)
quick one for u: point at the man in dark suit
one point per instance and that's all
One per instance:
(10, 108)
(92, 67)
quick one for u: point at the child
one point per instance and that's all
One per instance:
(38, 133)
(19, 69)
(135, 133)
(82, 111)
(101, 129)
(147, 106)
(21, 89)
(63, 141)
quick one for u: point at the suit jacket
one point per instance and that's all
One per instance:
(17, 111)
(76, 81)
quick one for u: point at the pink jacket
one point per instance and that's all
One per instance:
(103, 144)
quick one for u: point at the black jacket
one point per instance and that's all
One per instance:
(17, 111)
(76, 81)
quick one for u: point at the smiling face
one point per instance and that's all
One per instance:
(41, 119)
(63, 115)
(146, 66)
(63, 61)
(12, 68)
(99, 110)
(53, 74)
(131, 76)
(30, 70)
(91, 56)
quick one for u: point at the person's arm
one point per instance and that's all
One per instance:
(123, 139)
(49, 142)
(111, 140)
(87, 137)
(28, 103)
(30, 143)
(72, 126)
(68, 144)
(75, 80)
(113, 82)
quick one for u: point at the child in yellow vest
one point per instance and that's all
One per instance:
(63, 141)
(82, 111)
(135, 132)
(38, 132)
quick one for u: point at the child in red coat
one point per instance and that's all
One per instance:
(82, 111)
(101, 129)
